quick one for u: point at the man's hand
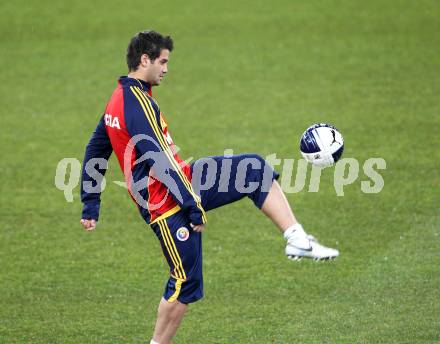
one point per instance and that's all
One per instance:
(198, 228)
(89, 225)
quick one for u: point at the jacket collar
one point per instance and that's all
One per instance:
(144, 86)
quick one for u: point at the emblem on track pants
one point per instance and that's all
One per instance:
(182, 234)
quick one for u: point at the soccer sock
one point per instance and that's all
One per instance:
(153, 342)
(296, 230)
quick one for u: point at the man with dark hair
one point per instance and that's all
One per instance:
(162, 184)
(150, 43)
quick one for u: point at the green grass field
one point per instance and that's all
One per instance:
(250, 76)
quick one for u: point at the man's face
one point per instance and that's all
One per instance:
(156, 69)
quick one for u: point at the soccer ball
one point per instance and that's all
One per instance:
(322, 144)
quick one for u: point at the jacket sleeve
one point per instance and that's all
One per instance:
(142, 118)
(94, 166)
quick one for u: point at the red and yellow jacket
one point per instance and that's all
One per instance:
(135, 129)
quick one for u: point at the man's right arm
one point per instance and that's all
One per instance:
(94, 166)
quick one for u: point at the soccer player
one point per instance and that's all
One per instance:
(171, 195)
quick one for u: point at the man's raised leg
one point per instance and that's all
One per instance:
(299, 244)
(278, 209)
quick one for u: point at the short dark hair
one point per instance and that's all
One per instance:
(146, 42)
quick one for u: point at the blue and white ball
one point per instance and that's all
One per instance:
(322, 144)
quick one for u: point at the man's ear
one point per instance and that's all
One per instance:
(145, 60)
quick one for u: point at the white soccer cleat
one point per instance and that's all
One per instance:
(308, 247)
